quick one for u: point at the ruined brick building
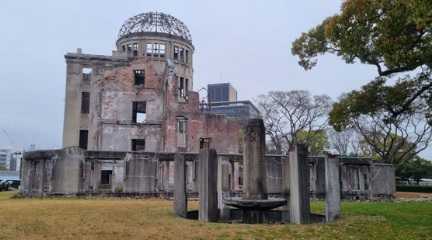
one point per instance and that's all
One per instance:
(128, 114)
(141, 98)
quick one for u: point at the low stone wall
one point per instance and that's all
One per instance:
(72, 171)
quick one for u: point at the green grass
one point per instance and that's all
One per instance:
(112, 218)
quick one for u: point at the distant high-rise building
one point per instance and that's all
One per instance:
(4, 158)
(15, 161)
(222, 99)
(221, 92)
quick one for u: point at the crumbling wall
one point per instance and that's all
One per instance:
(225, 133)
(355, 181)
(52, 172)
(73, 171)
(111, 111)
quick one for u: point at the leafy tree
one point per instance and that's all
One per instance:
(317, 141)
(416, 169)
(395, 36)
(392, 138)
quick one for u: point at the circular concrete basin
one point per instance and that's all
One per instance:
(251, 204)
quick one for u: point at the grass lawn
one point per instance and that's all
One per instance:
(154, 219)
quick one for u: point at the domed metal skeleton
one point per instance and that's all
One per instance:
(155, 22)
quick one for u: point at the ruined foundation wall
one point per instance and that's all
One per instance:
(383, 181)
(52, 172)
(73, 171)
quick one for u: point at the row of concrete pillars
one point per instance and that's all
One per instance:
(295, 187)
(295, 180)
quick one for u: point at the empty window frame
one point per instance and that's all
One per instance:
(366, 181)
(86, 73)
(135, 49)
(129, 48)
(139, 112)
(85, 102)
(356, 179)
(83, 139)
(139, 77)
(183, 87)
(181, 131)
(138, 145)
(176, 53)
(181, 54)
(106, 177)
(155, 49)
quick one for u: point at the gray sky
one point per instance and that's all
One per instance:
(245, 42)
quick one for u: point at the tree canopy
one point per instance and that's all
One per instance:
(395, 36)
(416, 169)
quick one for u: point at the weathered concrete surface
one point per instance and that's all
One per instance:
(318, 186)
(53, 172)
(153, 173)
(285, 187)
(180, 197)
(140, 173)
(255, 179)
(383, 181)
(332, 186)
(66, 171)
(208, 204)
(299, 185)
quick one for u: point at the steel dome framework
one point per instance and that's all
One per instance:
(155, 22)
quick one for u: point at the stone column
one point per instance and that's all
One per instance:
(180, 197)
(66, 172)
(332, 185)
(208, 179)
(254, 171)
(223, 212)
(320, 178)
(299, 185)
(285, 187)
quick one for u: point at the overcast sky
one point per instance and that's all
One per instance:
(244, 42)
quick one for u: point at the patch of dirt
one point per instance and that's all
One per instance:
(413, 196)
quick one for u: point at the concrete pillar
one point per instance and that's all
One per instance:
(320, 188)
(208, 181)
(299, 185)
(180, 197)
(285, 187)
(254, 171)
(223, 212)
(332, 185)
(67, 170)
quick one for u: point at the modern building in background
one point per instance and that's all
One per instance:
(15, 161)
(238, 109)
(10, 160)
(5, 155)
(222, 100)
(221, 92)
